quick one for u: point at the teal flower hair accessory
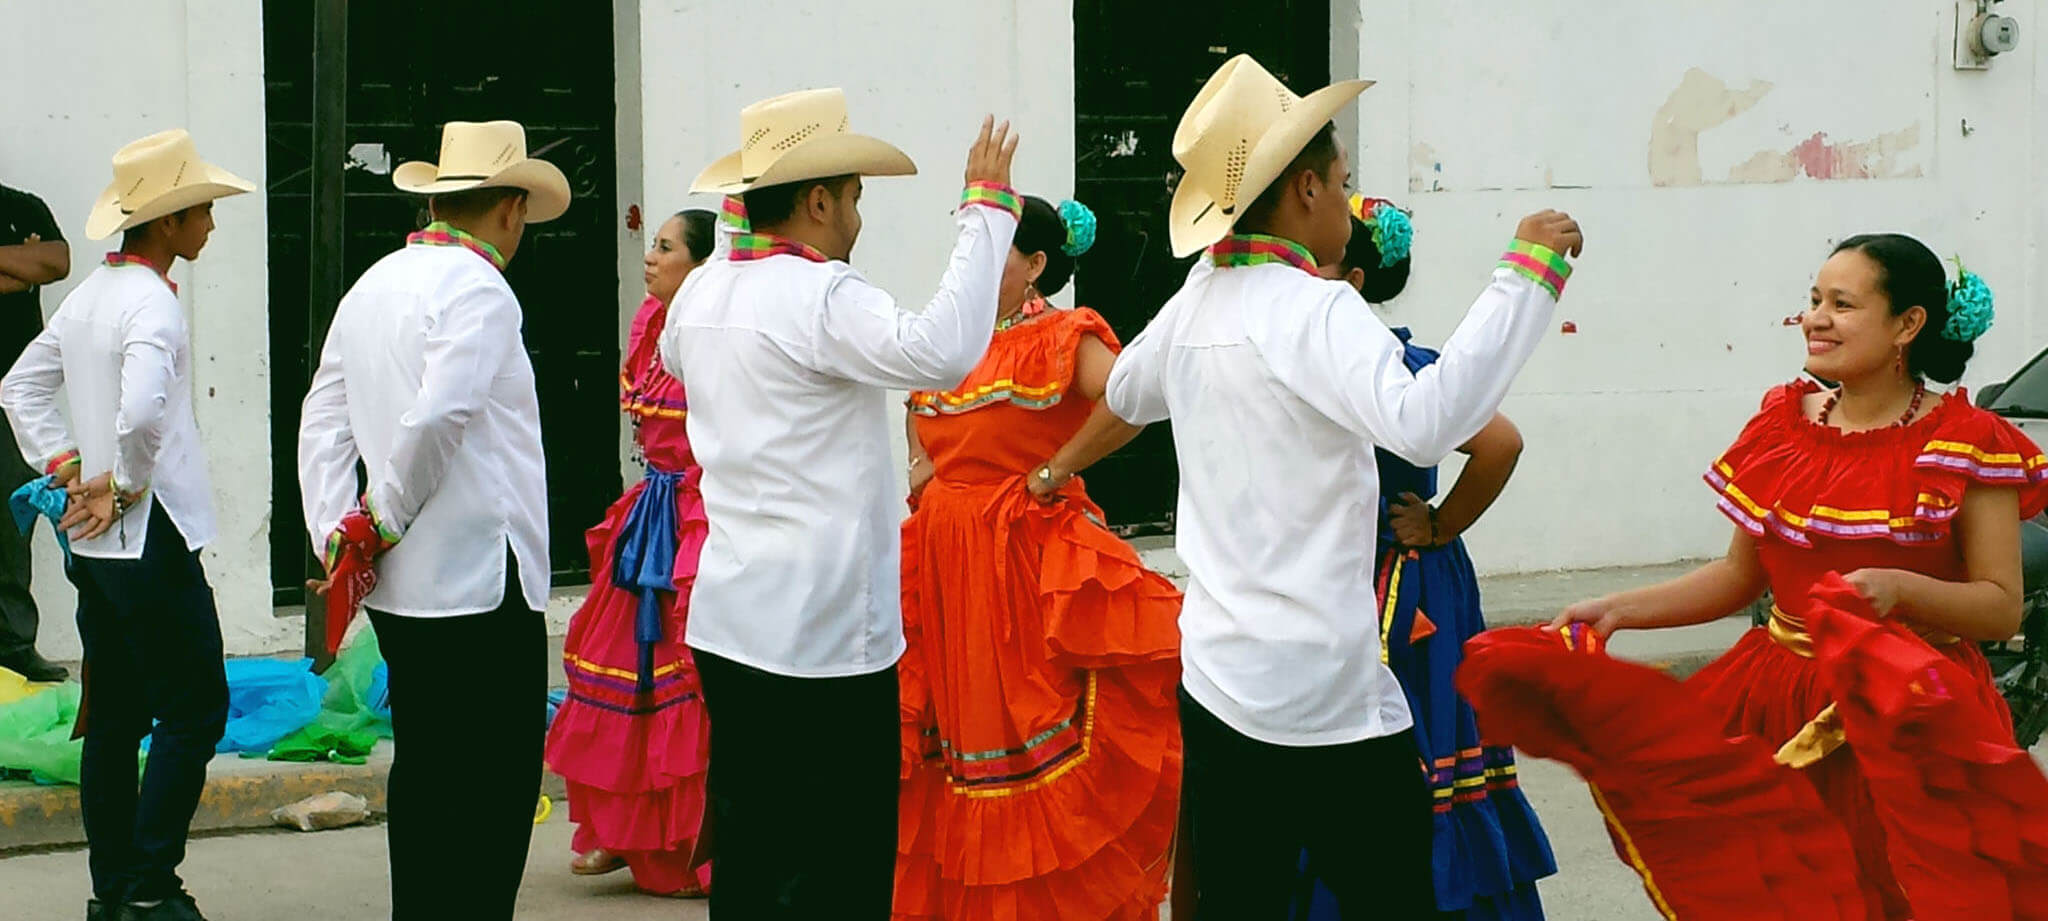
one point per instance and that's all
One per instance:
(1080, 223)
(1393, 234)
(1969, 306)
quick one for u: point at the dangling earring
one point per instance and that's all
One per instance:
(1031, 291)
(1899, 361)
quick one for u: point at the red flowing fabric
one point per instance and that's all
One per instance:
(1965, 810)
(351, 573)
(1717, 829)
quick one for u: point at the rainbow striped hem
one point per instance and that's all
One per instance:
(748, 247)
(1248, 249)
(993, 195)
(1539, 264)
(57, 463)
(442, 233)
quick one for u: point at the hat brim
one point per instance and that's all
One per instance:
(830, 155)
(1195, 221)
(547, 190)
(108, 218)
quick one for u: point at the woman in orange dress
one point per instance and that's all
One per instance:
(633, 738)
(1041, 747)
(1852, 759)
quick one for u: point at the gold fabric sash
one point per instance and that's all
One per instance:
(1823, 734)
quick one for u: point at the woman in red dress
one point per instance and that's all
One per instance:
(1041, 747)
(632, 740)
(1861, 722)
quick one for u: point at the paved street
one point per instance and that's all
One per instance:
(340, 875)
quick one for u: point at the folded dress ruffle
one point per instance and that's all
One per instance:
(1714, 826)
(1965, 810)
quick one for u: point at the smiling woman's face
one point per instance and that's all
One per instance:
(1851, 332)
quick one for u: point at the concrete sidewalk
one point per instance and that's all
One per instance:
(240, 794)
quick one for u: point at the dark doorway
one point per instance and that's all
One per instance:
(1135, 71)
(412, 67)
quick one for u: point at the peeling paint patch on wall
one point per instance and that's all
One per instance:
(1702, 102)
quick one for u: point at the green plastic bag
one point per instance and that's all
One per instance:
(352, 718)
(35, 735)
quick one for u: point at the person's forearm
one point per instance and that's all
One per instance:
(1975, 611)
(1709, 593)
(1478, 486)
(910, 438)
(38, 263)
(12, 285)
(1100, 435)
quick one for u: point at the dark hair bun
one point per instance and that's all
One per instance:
(1042, 231)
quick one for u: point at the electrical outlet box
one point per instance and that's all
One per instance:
(1969, 56)
(1982, 35)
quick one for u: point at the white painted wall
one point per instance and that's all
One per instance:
(72, 101)
(1674, 133)
(920, 77)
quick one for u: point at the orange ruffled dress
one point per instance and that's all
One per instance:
(1042, 751)
(1928, 843)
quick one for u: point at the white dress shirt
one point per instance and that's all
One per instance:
(120, 349)
(1279, 385)
(425, 378)
(788, 364)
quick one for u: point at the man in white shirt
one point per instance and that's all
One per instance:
(795, 617)
(141, 507)
(1280, 384)
(425, 379)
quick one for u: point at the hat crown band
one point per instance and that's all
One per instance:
(154, 165)
(773, 128)
(479, 150)
(1251, 102)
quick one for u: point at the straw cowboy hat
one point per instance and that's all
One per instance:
(156, 176)
(799, 136)
(1241, 131)
(488, 155)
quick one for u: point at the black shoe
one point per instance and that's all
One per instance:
(34, 667)
(94, 911)
(179, 907)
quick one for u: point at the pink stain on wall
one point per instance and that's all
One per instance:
(1822, 160)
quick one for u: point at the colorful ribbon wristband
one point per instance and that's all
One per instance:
(61, 461)
(993, 195)
(1539, 264)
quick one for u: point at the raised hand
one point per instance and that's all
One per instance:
(1553, 229)
(989, 159)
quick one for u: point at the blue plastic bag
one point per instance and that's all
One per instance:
(269, 699)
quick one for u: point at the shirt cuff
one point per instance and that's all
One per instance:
(57, 463)
(388, 531)
(1539, 264)
(993, 195)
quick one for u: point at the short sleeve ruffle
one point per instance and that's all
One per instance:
(1789, 477)
(1030, 365)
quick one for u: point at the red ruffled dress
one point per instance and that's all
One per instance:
(1830, 765)
(1042, 752)
(633, 739)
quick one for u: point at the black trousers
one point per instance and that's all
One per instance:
(17, 606)
(152, 642)
(1361, 810)
(803, 793)
(469, 722)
